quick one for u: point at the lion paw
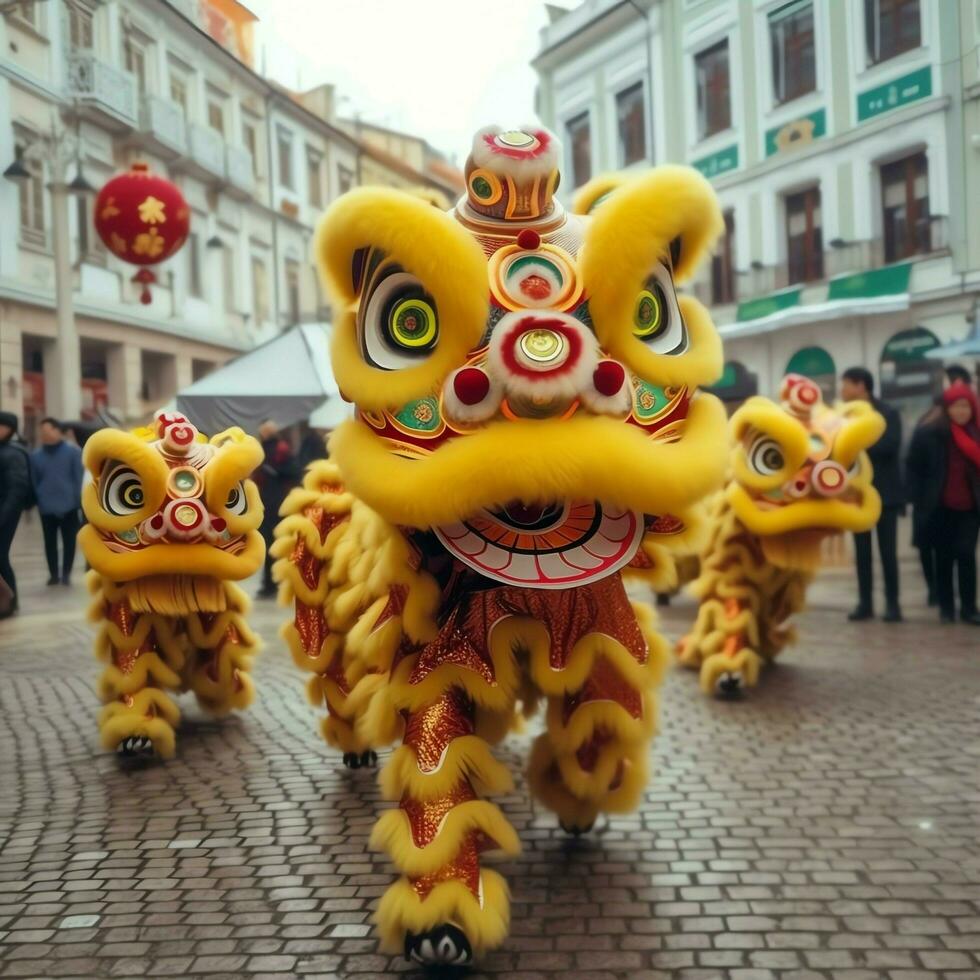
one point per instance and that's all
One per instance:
(136, 747)
(445, 945)
(728, 675)
(365, 760)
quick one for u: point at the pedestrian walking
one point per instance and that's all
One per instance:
(922, 539)
(274, 478)
(16, 496)
(857, 384)
(943, 470)
(56, 468)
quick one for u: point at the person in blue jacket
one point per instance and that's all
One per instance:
(56, 468)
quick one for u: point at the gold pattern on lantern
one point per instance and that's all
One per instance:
(151, 211)
(109, 209)
(149, 243)
(119, 244)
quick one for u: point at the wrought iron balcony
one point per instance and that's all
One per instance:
(162, 122)
(240, 170)
(102, 92)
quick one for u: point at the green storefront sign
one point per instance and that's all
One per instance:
(910, 345)
(890, 280)
(892, 95)
(718, 163)
(796, 133)
(753, 309)
(812, 362)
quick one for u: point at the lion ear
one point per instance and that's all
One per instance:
(668, 214)
(594, 193)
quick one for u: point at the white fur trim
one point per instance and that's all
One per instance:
(568, 384)
(617, 405)
(519, 169)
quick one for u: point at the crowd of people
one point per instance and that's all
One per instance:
(939, 477)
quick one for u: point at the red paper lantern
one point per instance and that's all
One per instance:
(143, 219)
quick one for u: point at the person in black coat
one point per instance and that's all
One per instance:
(16, 495)
(857, 384)
(943, 485)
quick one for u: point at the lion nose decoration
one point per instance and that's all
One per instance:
(538, 365)
(183, 520)
(829, 478)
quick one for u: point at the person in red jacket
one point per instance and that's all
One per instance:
(943, 470)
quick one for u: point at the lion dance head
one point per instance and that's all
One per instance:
(167, 502)
(526, 379)
(801, 471)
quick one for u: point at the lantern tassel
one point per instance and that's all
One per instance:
(145, 276)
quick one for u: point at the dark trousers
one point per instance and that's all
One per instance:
(927, 558)
(267, 530)
(67, 524)
(7, 531)
(956, 544)
(887, 530)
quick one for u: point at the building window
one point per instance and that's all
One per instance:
(804, 241)
(260, 290)
(284, 147)
(31, 194)
(250, 140)
(714, 97)
(216, 115)
(580, 142)
(135, 62)
(178, 91)
(905, 207)
(345, 179)
(631, 124)
(794, 63)
(723, 264)
(292, 289)
(891, 27)
(314, 178)
(26, 11)
(90, 247)
(80, 33)
(194, 266)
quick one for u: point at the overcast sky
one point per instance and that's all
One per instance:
(439, 68)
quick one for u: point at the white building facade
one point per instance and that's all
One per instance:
(126, 80)
(843, 140)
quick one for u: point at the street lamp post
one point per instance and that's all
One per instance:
(63, 388)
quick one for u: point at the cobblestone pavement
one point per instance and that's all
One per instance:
(827, 826)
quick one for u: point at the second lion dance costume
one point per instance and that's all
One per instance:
(528, 429)
(173, 521)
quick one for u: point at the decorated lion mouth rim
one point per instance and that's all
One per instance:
(583, 458)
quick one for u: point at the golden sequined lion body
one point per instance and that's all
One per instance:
(172, 521)
(799, 472)
(528, 429)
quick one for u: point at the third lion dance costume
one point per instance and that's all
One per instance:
(799, 473)
(172, 518)
(528, 428)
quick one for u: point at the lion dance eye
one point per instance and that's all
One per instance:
(766, 456)
(237, 501)
(412, 324)
(122, 492)
(650, 313)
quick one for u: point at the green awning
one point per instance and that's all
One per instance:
(813, 362)
(890, 280)
(753, 309)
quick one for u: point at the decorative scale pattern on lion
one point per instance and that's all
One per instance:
(799, 472)
(527, 429)
(172, 518)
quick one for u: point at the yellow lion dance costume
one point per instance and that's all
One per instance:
(172, 517)
(799, 473)
(528, 428)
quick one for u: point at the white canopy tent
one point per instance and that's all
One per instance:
(287, 379)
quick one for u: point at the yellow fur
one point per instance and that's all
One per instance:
(428, 244)
(467, 757)
(544, 462)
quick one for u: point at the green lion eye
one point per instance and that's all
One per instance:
(648, 313)
(413, 324)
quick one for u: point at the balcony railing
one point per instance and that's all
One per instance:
(99, 87)
(239, 167)
(163, 121)
(207, 149)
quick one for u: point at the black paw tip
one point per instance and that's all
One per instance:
(445, 945)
